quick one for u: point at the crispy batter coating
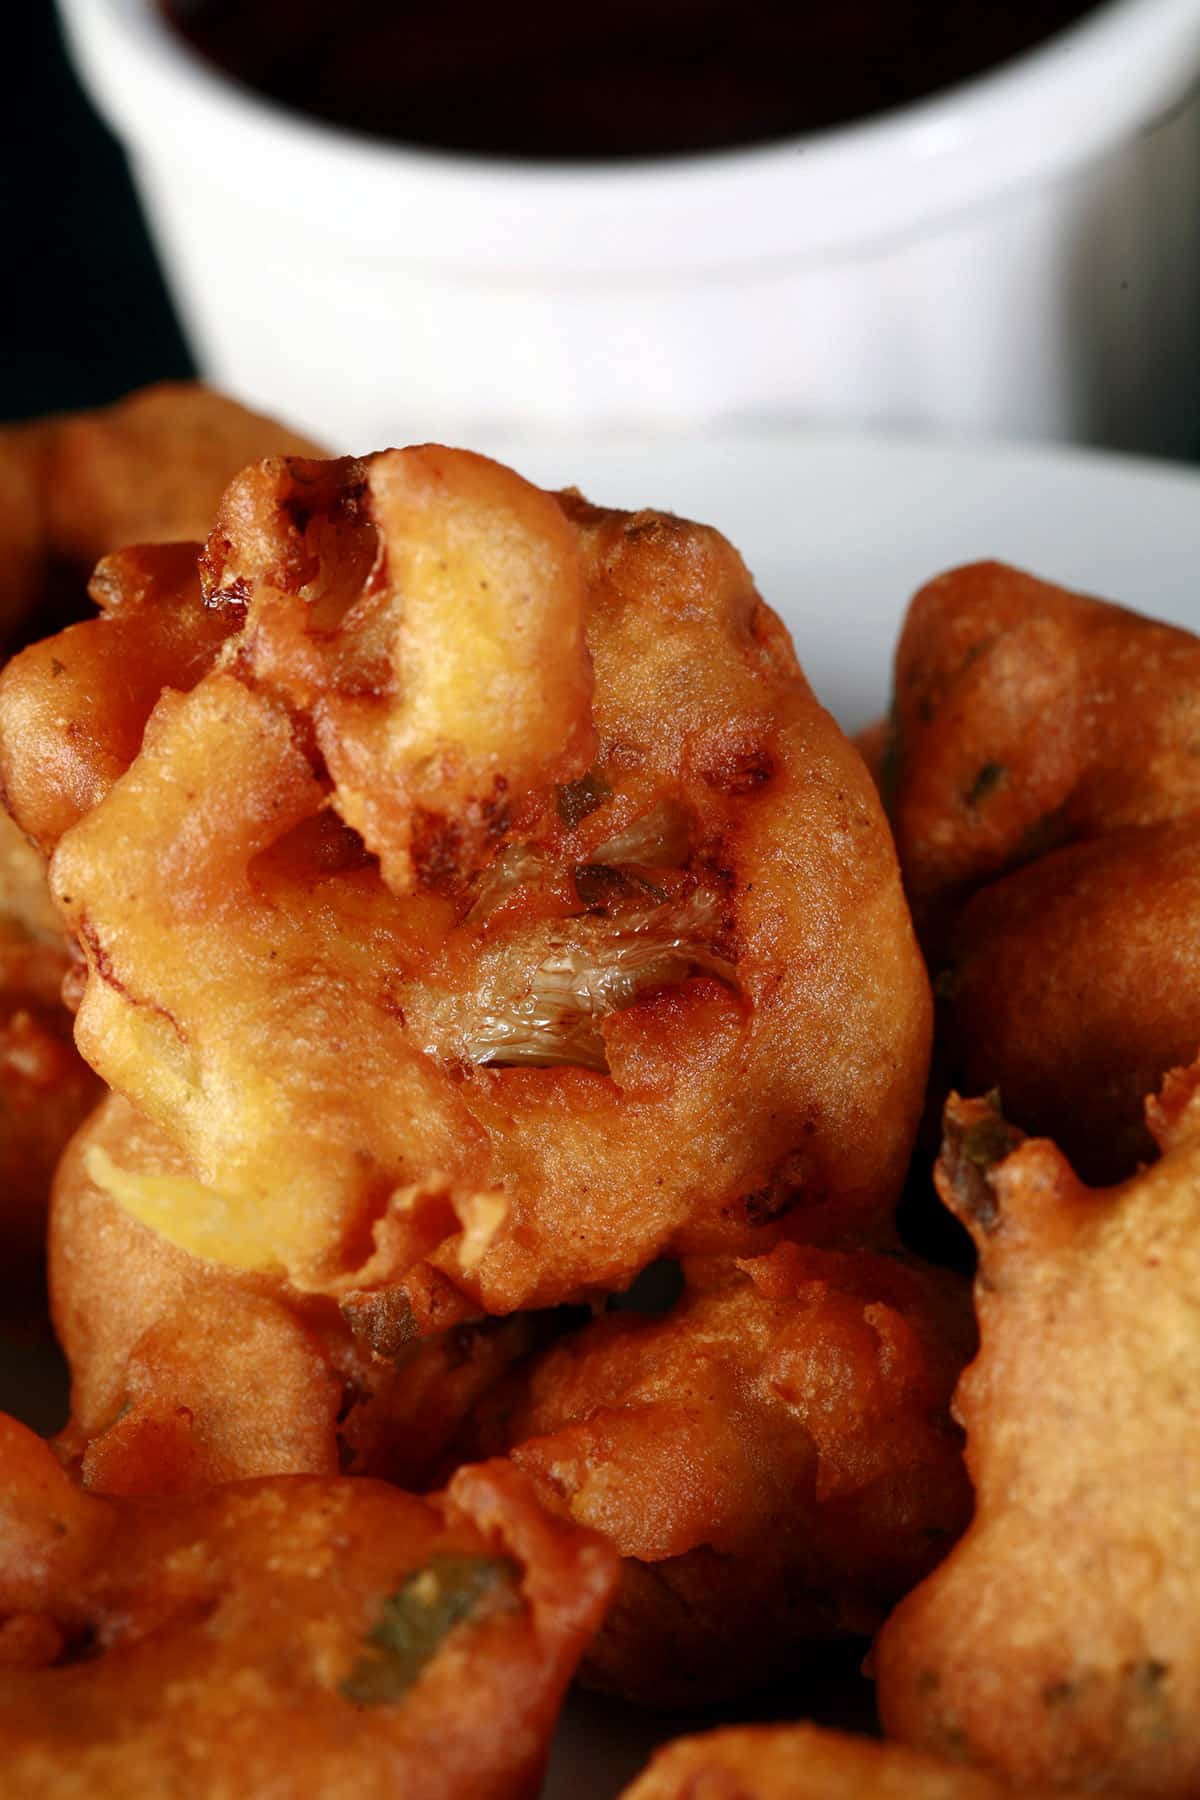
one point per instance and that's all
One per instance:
(497, 913)
(46, 1088)
(187, 1372)
(1060, 1642)
(293, 1636)
(1044, 788)
(150, 469)
(774, 1459)
(803, 1762)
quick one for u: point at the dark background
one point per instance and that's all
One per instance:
(84, 315)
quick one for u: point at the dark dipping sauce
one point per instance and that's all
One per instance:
(626, 78)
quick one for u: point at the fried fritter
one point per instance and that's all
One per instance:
(294, 1636)
(1027, 717)
(1044, 789)
(802, 1762)
(1074, 983)
(873, 743)
(774, 1459)
(187, 1372)
(1060, 1642)
(150, 469)
(498, 913)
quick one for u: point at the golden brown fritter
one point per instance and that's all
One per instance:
(1044, 787)
(296, 1636)
(148, 470)
(774, 1459)
(802, 1762)
(1073, 983)
(1060, 1641)
(498, 912)
(187, 1372)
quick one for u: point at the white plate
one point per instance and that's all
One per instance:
(839, 531)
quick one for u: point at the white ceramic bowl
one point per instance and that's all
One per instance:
(1019, 255)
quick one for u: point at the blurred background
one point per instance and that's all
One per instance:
(540, 247)
(86, 312)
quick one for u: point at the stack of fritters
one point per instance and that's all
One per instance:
(1042, 774)
(475, 908)
(509, 1038)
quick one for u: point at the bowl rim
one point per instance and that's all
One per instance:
(1123, 68)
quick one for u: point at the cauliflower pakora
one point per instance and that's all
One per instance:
(774, 1459)
(187, 1372)
(495, 911)
(1059, 1641)
(303, 1635)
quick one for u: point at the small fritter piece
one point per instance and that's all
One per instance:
(1072, 984)
(187, 1372)
(1025, 718)
(803, 1762)
(148, 470)
(1060, 1642)
(498, 913)
(774, 1459)
(1044, 789)
(325, 1638)
(46, 1088)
